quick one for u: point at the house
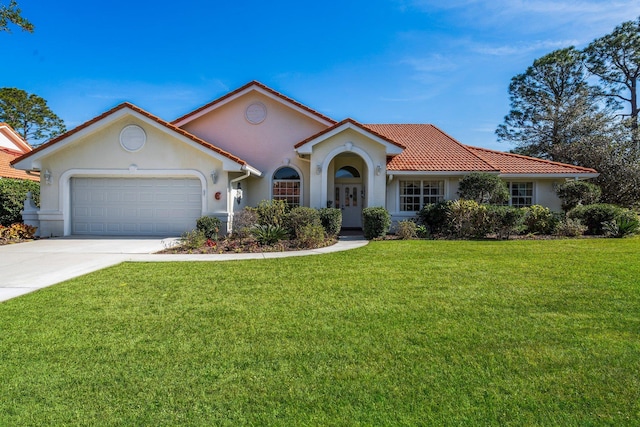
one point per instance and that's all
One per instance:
(128, 172)
(13, 146)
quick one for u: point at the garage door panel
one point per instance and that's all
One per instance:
(134, 206)
(97, 228)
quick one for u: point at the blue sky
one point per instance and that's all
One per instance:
(378, 61)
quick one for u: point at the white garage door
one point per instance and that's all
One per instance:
(134, 206)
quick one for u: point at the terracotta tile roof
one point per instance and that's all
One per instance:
(429, 149)
(6, 171)
(262, 86)
(142, 112)
(509, 163)
(353, 122)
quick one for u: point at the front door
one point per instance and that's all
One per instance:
(349, 197)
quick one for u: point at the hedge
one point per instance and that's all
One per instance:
(13, 193)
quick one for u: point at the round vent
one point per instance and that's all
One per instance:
(132, 138)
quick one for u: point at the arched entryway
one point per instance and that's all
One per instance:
(349, 188)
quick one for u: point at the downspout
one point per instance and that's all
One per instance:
(233, 181)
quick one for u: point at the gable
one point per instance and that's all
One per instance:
(13, 146)
(346, 126)
(98, 140)
(258, 87)
(10, 140)
(256, 125)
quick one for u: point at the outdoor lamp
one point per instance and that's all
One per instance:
(239, 193)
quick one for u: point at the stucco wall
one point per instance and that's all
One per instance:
(266, 146)
(100, 154)
(543, 193)
(329, 153)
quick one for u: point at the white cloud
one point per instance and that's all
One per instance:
(586, 19)
(523, 48)
(434, 63)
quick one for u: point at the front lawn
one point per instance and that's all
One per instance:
(395, 333)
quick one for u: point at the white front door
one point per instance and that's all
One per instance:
(349, 198)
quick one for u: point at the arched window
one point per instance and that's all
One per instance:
(286, 186)
(347, 172)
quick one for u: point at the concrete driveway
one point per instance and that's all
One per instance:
(25, 267)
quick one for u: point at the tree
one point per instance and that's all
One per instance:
(552, 107)
(13, 15)
(574, 193)
(29, 115)
(483, 187)
(615, 59)
(612, 154)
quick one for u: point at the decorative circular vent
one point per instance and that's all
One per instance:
(256, 113)
(132, 138)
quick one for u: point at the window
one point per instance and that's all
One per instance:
(286, 186)
(347, 172)
(414, 195)
(521, 194)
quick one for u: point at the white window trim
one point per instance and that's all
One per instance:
(533, 191)
(300, 174)
(421, 180)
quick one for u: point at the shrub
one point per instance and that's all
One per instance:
(574, 193)
(376, 222)
(468, 219)
(593, 216)
(504, 220)
(243, 222)
(310, 236)
(483, 187)
(570, 228)
(13, 193)
(194, 239)
(406, 229)
(436, 217)
(625, 224)
(422, 231)
(331, 219)
(269, 234)
(272, 212)
(302, 216)
(539, 220)
(209, 226)
(16, 232)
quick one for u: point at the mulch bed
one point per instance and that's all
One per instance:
(248, 245)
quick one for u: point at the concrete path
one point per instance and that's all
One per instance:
(26, 267)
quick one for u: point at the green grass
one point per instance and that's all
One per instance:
(395, 333)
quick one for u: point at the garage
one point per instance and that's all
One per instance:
(134, 206)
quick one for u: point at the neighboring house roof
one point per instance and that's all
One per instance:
(513, 164)
(12, 146)
(254, 85)
(127, 105)
(6, 171)
(429, 149)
